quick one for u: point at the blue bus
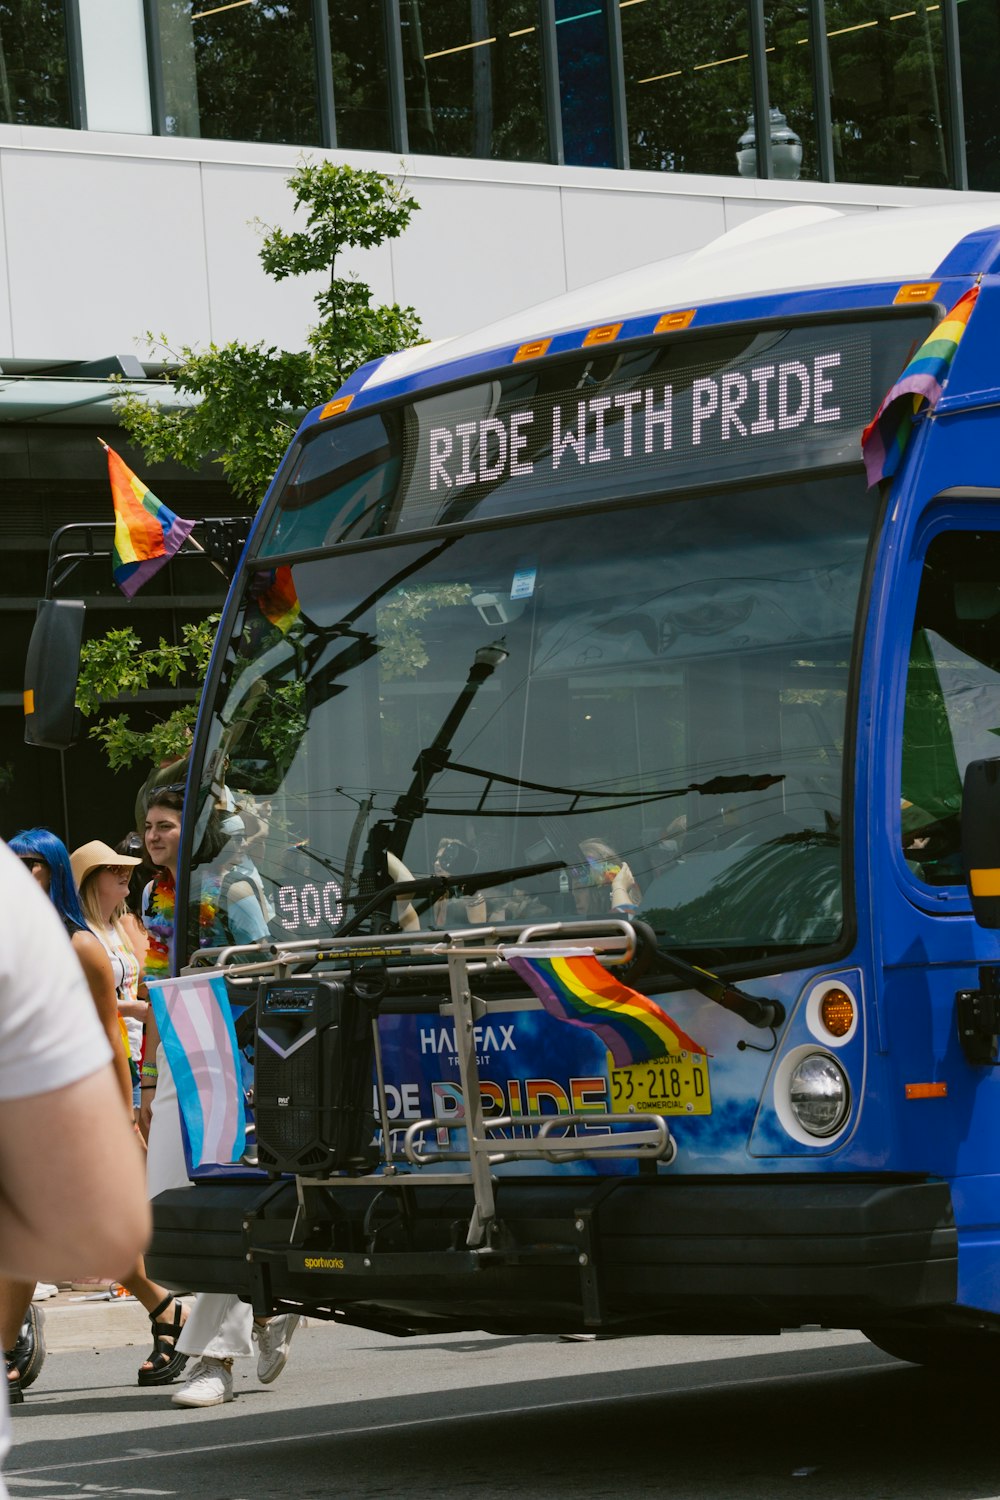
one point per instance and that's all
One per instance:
(583, 645)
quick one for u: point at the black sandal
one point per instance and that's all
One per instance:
(15, 1395)
(28, 1353)
(164, 1360)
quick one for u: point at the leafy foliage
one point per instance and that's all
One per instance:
(403, 652)
(247, 398)
(246, 402)
(116, 665)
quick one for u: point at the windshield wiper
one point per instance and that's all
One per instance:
(443, 885)
(762, 1013)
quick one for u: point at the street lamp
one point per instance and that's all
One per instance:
(786, 148)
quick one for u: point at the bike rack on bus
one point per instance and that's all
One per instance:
(463, 954)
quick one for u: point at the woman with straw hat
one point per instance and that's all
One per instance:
(102, 876)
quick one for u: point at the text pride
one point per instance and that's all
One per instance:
(733, 406)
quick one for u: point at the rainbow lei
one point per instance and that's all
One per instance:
(158, 919)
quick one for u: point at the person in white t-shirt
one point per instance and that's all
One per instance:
(71, 1173)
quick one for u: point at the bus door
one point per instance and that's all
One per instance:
(943, 1112)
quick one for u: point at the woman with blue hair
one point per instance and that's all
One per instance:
(48, 860)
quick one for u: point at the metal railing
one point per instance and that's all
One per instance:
(462, 956)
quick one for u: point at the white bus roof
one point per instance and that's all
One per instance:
(791, 248)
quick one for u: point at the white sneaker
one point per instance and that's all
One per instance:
(210, 1383)
(274, 1340)
(44, 1289)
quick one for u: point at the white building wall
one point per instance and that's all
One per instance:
(104, 237)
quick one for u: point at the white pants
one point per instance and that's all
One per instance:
(219, 1325)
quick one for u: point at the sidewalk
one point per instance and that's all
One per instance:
(74, 1324)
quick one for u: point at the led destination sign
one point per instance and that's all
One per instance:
(763, 402)
(599, 426)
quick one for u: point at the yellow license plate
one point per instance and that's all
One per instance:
(676, 1084)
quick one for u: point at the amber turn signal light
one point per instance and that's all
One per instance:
(836, 1011)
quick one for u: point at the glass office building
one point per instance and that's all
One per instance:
(848, 91)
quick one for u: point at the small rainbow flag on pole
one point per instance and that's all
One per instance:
(278, 600)
(886, 436)
(147, 534)
(574, 987)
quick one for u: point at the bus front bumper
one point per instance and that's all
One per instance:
(622, 1254)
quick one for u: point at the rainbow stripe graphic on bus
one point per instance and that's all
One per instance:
(884, 439)
(573, 987)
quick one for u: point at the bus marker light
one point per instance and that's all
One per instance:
(334, 408)
(836, 1011)
(674, 320)
(926, 1091)
(917, 291)
(606, 334)
(534, 350)
(984, 882)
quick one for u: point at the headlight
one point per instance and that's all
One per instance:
(819, 1094)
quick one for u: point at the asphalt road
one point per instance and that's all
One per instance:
(811, 1415)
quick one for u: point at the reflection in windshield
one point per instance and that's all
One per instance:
(655, 698)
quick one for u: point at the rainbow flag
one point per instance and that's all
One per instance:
(196, 1028)
(886, 436)
(278, 600)
(574, 987)
(147, 534)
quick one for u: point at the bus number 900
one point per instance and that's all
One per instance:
(311, 905)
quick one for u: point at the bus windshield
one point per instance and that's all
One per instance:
(654, 696)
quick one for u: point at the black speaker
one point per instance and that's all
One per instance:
(313, 1062)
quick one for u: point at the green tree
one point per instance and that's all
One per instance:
(249, 396)
(248, 400)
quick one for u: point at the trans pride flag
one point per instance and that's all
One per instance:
(147, 534)
(886, 435)
(574, 987)
(196, 1028)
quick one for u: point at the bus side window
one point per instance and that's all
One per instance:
(952, 709)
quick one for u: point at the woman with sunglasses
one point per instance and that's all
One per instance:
(103, 878)
(47, 859)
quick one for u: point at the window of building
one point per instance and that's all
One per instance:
(34, 72)
(360, 75)
(979, 44)
(889, 101)
(585, 83)
(239, 72)
(473, 78)
(687, 83)
(790, 90)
